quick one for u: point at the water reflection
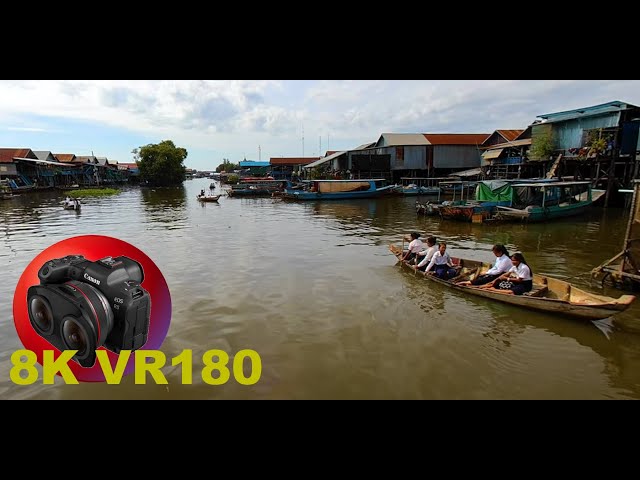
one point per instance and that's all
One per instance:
(313, 289)
(165, 206)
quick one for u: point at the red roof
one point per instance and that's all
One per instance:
(292, 160)
(132, 165)
(7, 154)
(65, 157)
(456, 138)
(510, 135)
(330, 152)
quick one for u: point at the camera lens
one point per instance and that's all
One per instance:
(75, 336)
(41, 314)
(97, 309)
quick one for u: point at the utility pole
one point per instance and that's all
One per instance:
(259, 153)
(303, 140)
(320, 147)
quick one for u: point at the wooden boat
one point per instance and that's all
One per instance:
(339, 190)
(488, 195)
(416, 186)
(547, 201)
(258, 188)
(72, 206)
(548, 294)
(427, 208)
(210, 198)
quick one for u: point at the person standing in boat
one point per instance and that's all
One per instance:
(427, 254)
(500, 266)
(415, 246)
(518, 280)
(441, 264)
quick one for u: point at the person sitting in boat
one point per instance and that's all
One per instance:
(441, 264)
(427, 254)
(415, 246)
(202, 192)
(500, 266)
(68, 202)
(518, 280)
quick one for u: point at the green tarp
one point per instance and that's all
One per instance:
(494, 191)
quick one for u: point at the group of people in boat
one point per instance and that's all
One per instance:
(71, 203)
(508, 274)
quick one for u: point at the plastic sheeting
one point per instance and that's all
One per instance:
(494, 191)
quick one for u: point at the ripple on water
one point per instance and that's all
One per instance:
(312, 288)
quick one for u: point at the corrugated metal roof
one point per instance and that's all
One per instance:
(7, 154)
(253, 163)
(65, 157)
(292, 160)
(42, 154)
(494, 153)
(510, 134)
(400, 139)
(102, 160)
(325, 159)
(365, 145)
(456, 138)
(516, 143)
(609, 107)
(467, 173)
(36, 160)
(86, 159)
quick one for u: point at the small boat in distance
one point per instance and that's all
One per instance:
(549, 294)
(210, 198)
(339, 189)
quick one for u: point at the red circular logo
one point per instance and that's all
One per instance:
(94, 248)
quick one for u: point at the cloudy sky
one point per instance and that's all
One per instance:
(237, 119)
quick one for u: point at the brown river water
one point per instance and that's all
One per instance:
(314, 290)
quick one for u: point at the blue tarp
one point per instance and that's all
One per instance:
(252, 163)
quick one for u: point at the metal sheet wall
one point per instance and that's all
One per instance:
(456, 156)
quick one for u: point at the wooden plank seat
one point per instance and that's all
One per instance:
(537, 291)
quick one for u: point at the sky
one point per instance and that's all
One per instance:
(259, 119)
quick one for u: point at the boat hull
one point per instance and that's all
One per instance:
(290, 194)
(542, 214)
(556, 301)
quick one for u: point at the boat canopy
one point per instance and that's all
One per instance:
(494, 191)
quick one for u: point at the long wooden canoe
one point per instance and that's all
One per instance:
(548, 295)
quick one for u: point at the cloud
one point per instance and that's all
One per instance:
(233, 116)
(27, 129)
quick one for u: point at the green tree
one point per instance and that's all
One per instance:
(543, 146)
(227, 166)
(162, 163)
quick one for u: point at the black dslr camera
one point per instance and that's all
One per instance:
(82, 305)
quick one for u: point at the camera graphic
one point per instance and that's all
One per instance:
(82, 305)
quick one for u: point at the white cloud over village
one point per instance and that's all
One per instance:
(231, 118)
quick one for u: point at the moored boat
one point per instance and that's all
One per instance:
(538, 202)
(339, 189)
(548, 294)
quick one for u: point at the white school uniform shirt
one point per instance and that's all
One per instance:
(522, 271)
(502, 265)
(439, 259)
(416, 245)
(428, 255)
